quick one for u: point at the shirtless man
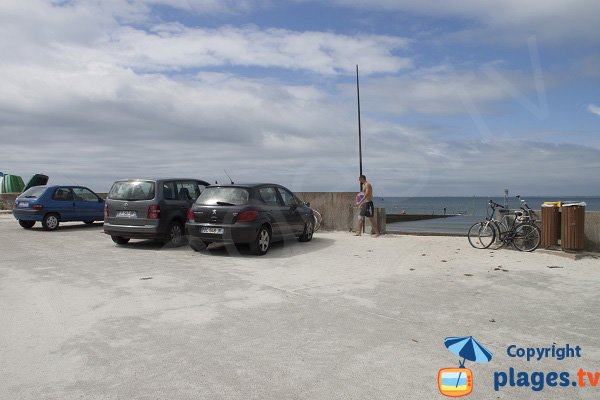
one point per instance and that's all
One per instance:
(367, 209)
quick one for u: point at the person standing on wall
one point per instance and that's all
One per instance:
(367, 209)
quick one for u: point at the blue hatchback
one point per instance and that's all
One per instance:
(52, 205)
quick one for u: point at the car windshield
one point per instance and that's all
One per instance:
(33, 193)
(223, 196)
(132, 190)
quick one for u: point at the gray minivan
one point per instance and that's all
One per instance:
(150, 209)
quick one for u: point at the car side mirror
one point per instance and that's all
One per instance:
(307, 204)
(100, 200)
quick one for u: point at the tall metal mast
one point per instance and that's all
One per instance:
(359, 128)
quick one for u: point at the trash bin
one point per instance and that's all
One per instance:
(550, 223)
(572, 235)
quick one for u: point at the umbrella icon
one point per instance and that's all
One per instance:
(469, 349)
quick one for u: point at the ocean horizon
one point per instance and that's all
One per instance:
(465, 211)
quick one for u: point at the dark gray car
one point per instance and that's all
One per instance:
(150, 209)
(255, 214)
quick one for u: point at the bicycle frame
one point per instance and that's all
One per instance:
(507, 235)
(507, 229)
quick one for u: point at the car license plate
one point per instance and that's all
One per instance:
(23, 204)
(214, 231)
(126, 214)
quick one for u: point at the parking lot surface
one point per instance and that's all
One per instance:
(337, 318)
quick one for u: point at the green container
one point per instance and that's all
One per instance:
(11, 184)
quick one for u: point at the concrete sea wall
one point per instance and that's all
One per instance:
(336, 208)
(592, 230)
(339, 211)
(7, 200)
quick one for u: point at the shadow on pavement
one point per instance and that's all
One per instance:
(67, 226)
(282, 249)
(278, 250)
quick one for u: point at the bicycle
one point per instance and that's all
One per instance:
(521, 232)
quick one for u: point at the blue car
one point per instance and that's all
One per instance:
(52, 205)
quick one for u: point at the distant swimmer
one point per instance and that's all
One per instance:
(367, 209)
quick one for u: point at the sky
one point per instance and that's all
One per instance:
(458, 98)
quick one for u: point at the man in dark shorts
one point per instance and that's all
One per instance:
(367, 209)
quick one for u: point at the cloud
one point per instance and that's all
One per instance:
(594, 109)
(94, 98)
(173, 47)
(104, 123)
(94, 91)
(431, 166)
(77, 35)
(210, 6)
(512, 21)
(445, 91)
(140, 10)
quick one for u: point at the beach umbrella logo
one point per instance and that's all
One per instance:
(458, 382)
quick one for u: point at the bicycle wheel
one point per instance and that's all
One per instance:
(526, 237)
(481, 235)
(501, 231)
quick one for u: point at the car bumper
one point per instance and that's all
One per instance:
(28, 215)
(232, 233)
(134, 231)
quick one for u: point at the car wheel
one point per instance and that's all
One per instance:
(26, 224)
(50, 222)
(175, 235)
(307, 235)
(262, 242)
(88, 222)
(120, 239)
(198, 245)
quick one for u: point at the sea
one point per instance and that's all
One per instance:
(465, 210)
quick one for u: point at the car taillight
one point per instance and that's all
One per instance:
(154, 211)
(105, 210)
(190, 215)
(247, 216)
(37, 207)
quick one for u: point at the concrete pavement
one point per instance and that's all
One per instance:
(337, 318)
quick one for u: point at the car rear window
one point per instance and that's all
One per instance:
(132, 190)
(33, 193)
(223, 196)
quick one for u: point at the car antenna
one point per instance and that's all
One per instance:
(230, 180)
(76, 184)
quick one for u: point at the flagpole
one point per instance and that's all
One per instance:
(359, 127)
(359, 135)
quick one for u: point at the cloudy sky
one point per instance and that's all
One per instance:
(458, 98)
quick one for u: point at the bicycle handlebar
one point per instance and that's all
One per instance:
(523, 202)
(494, 204)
